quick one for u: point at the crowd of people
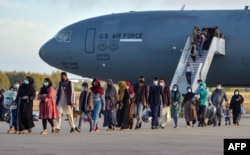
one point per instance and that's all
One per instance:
(122, 109)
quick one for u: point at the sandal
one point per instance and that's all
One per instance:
(21, 132)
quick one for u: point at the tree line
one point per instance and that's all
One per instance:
(8, 78)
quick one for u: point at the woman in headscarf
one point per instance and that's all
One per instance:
(47, 108)
(175, 104)
(111, 98)
(124, 97)
(98, 101)
(131, 104)
(235, 104)
(25, 96)
(190, 103)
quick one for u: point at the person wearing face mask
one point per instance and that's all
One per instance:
(235, 104)
(217, 98)
(203, 102)
(65, 101)
(165, 107)
(111, 98)
(155, 99)
(176, 99)
(141, 96)
(85, 106)
(13, 107)
(25, 97)
(190, 103)
(47, 107)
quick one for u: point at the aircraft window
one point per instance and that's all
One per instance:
(63, 36)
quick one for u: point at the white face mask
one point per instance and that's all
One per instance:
(189, 90)
(26, 82)
(155, 83)
(16, 86)
(236, 93)
(218, 87)
(46, 84)
(174, 89)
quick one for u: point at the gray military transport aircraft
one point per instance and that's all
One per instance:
(124, 46)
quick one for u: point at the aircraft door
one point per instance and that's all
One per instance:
(90, 40)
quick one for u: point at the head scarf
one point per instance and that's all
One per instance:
(130, 90)
(122, 88)
(97, 89)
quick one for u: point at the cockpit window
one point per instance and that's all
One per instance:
(63, 36)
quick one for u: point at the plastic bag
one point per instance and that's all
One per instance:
(146, 115)
(242, 110)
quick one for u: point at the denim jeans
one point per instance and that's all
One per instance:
(12, 117)
(138, 113)
(175, 117)
(96, 111)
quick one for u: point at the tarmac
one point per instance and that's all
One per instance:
(145, 141)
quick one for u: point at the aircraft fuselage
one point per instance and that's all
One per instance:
(126, 45)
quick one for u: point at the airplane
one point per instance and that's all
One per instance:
(124, 46)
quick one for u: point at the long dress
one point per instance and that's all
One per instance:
(123, 118)
(25, 107)
(47, 107)
(190, 109)
(110, 118)
(235, 105)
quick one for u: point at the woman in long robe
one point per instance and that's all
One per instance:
(124, 97)
(25, 96)
(190, 107)
(110, 118)
(235, 104)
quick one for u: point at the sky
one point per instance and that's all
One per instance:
(25, 25)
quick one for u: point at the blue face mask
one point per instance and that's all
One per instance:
(26, 82)
(46, 84)
(201, 87)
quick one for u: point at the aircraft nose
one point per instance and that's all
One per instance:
(42, 52)
(45, 52)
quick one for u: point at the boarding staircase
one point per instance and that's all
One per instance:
(200, 66)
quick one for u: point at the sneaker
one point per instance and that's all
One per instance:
(44, 132)
(11, 130)
(78, 129)
(176, 127)
(97, 129)
(72, 130)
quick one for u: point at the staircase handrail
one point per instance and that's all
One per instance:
(209, 58)
(182, 62)
(197, 77)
